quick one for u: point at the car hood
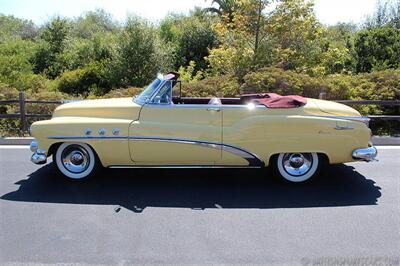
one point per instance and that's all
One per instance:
(321, 107)
(122, 108)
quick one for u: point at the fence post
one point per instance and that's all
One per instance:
(22, 112)
(322, 96)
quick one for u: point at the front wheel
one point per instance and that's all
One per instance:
(297, 167)
(75, 160)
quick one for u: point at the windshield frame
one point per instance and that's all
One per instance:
(141, 99)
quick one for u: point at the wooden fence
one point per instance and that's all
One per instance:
(23, 116)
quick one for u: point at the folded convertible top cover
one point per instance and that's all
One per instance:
(273, 100)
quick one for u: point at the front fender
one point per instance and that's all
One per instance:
(108, 137)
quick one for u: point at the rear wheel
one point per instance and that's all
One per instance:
(296, 167)
(75, 161)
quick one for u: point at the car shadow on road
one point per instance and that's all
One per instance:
(137, 189)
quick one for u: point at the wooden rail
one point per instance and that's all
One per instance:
(23, 115)
(380, 103)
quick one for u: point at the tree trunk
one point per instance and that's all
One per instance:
(259, 11)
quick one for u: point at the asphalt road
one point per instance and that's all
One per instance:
(349, 215)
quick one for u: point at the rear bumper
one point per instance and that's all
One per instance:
(39, 156)
(366, 154)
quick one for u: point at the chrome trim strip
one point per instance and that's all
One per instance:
(361, 119)
(183, 141)
(252, 158)
(244, 106)
(203, 106)
(344, 127)
(183, 166)
(88, 137)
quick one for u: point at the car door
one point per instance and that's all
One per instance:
(176, 134)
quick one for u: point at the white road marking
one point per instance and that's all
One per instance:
(14, 147)
(388, 147)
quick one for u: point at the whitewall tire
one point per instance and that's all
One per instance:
(297, 167)
(75, 160)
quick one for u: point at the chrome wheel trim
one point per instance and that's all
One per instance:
(297, 164)
(297, 167)
(75, 160)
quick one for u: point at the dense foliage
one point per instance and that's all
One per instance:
(235, 46)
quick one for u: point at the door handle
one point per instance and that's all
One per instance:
(216, 109)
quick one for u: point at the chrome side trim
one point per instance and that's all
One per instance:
(88, 137)
(207, 144)
(252, 158)
(361, 119)
(184, 166)
(344, 127)
(205, 106)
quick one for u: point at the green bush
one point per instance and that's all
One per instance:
(383, 85)
(282, 82)
(221, 86)
(82, 81)
(120, 93)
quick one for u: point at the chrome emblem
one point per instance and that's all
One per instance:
(88, 132)
(115, 131)
(102, 131)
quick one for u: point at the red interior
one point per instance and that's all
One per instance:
(273, 100)
(270, 100)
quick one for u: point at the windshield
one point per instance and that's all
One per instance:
(148, 92)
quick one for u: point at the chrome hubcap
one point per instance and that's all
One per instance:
(297, 164)
(75, 159)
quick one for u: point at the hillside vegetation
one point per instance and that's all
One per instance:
(233, 47)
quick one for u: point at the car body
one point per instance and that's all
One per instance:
(157, 129)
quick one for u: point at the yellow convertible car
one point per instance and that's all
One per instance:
(159, 128)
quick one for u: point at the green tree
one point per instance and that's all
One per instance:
(297, 35)
(289, 37)
(224, 7)
(338, 48)
(55, 34)
(136, 61)
(190, 38)
(11, 27)
(93, 23)
(14, 62)
(377, 49)
(49, 58)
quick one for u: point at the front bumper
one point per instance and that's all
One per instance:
(366, 154)
(39, 156)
